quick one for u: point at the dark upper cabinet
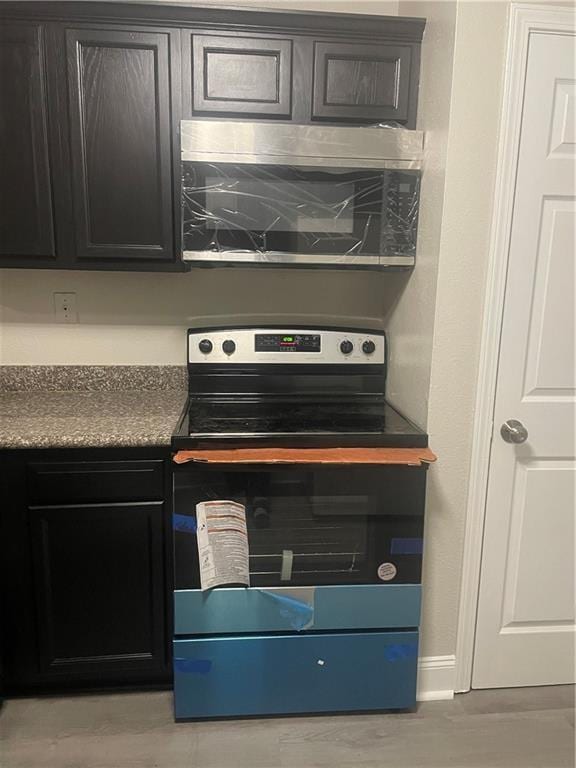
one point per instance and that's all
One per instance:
(99, 588)
(359, 82)
(120, 113)
(92, 94)
(26, 213)
(236, 76)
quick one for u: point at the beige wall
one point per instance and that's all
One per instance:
(135, 319)
(479, 60)
(386, 7)
(411, 298)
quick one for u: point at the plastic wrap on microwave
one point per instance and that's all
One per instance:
(260, 209)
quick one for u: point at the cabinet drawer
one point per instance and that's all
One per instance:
(94, 481)
(370, 606)
(283, 674)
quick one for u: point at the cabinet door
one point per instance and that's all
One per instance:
(26, 218)
(99, 590)
(120, 130)
(240, 76)
(360, 82)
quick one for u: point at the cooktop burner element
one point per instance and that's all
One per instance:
(290, 387)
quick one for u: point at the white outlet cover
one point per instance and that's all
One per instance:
(65, 307)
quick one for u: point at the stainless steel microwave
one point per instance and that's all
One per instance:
(299, 194)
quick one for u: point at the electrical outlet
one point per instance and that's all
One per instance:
(65, 307)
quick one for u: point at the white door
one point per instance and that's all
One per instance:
(525, 629)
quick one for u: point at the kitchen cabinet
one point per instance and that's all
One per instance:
(239, 76)
(92, 94)
(359, 82)
(86, 568)
(121, 117)
(26, 213)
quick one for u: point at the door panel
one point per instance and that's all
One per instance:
(361, 82)
(550, 355)
(525, 628)
(120, 102)
(540, 546)
(26, 217)
(237, 75)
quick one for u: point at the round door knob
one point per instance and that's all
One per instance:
(513, 431)
(346, 347)
(368, 347)
(205, 346)
(229, 346)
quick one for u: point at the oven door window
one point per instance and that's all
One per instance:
(229, 207)
(312, 526)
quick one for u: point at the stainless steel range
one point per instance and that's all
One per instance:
(290, 386)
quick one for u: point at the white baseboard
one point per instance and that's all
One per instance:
(436, 678)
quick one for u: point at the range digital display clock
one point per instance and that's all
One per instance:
(287, 342)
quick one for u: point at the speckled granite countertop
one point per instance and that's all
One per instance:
(89, 406)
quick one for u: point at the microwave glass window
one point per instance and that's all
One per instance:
(228, 207)
(279, 205)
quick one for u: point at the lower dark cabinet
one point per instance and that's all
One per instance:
(86, 587)
(98, 587)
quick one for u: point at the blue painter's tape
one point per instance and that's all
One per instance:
(184, 523)
(399, 651)
(406, 546)
(299, 614)
(192, 666)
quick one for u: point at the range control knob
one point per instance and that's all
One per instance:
(346, 347)
(368, 347)
(229, 346)
(205, 346)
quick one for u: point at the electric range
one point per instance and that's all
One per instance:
(296, 585)
(290, 386)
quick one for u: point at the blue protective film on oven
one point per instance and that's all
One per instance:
(399, 651)
(406, 546)
(184, 523)
(300, 615)
(192, 666)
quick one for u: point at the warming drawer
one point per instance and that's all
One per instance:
(267, 609)
(285, 674)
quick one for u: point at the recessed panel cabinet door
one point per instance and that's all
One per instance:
(26, 223)
(120, 113)
(99, 589)
(237, 75)
(359, 82)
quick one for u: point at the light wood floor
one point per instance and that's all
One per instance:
(519, 728)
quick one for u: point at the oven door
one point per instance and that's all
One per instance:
(310, 525)
(242, 212)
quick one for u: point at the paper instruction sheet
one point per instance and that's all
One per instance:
(222, 544)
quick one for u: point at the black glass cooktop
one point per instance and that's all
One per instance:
(295, 421)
